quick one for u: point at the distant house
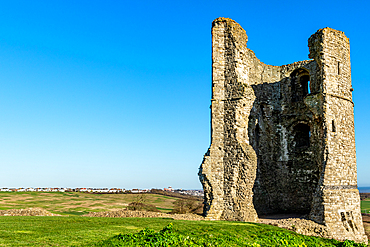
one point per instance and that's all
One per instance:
(139, 190)
(168, 189)
(99, 190)
(116, 190)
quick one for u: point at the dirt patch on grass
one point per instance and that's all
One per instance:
(16, 198)
(364, 196)
(27, 212)
(123, 213)
(296, 223)
(299, 224)
(366, 220)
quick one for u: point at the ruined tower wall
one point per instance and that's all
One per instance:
(229, 167)
(273, 148)
(246, 95)
(337, 203)
(287, 175)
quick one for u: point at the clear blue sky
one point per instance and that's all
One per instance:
(117, 93)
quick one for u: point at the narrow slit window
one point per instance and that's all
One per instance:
(338, 68)
(333, 126)
(257, 137)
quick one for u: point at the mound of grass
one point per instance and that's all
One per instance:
(170, 237)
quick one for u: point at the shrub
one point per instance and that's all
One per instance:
(138, 206)
(350, 243)
(183, 206)
(148, 237)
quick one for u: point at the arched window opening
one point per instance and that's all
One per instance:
(302, 135)
(300, 84)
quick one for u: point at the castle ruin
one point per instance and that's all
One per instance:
(282, 137)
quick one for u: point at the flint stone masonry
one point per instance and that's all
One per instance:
(282, 137)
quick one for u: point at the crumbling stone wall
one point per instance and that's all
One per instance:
(282, 137)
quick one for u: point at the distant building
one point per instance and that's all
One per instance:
(168, 189)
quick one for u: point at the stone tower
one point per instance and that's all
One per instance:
(282, 137)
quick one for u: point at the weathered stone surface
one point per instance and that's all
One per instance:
(282, 136)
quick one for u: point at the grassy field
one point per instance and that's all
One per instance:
(76, 203)
(365, 206)
(86, 231)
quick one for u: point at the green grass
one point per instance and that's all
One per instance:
(164, 210)
(86, 231)
(169, 236)
(74, 213)
(365, 206)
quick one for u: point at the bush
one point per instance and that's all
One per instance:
(183, 206)
(350, 243)
(138, 206)
(148, 237)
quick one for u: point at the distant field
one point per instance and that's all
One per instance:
(77, 203)
(365, 206)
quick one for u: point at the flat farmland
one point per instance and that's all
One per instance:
(365, 206)
(77, 203)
